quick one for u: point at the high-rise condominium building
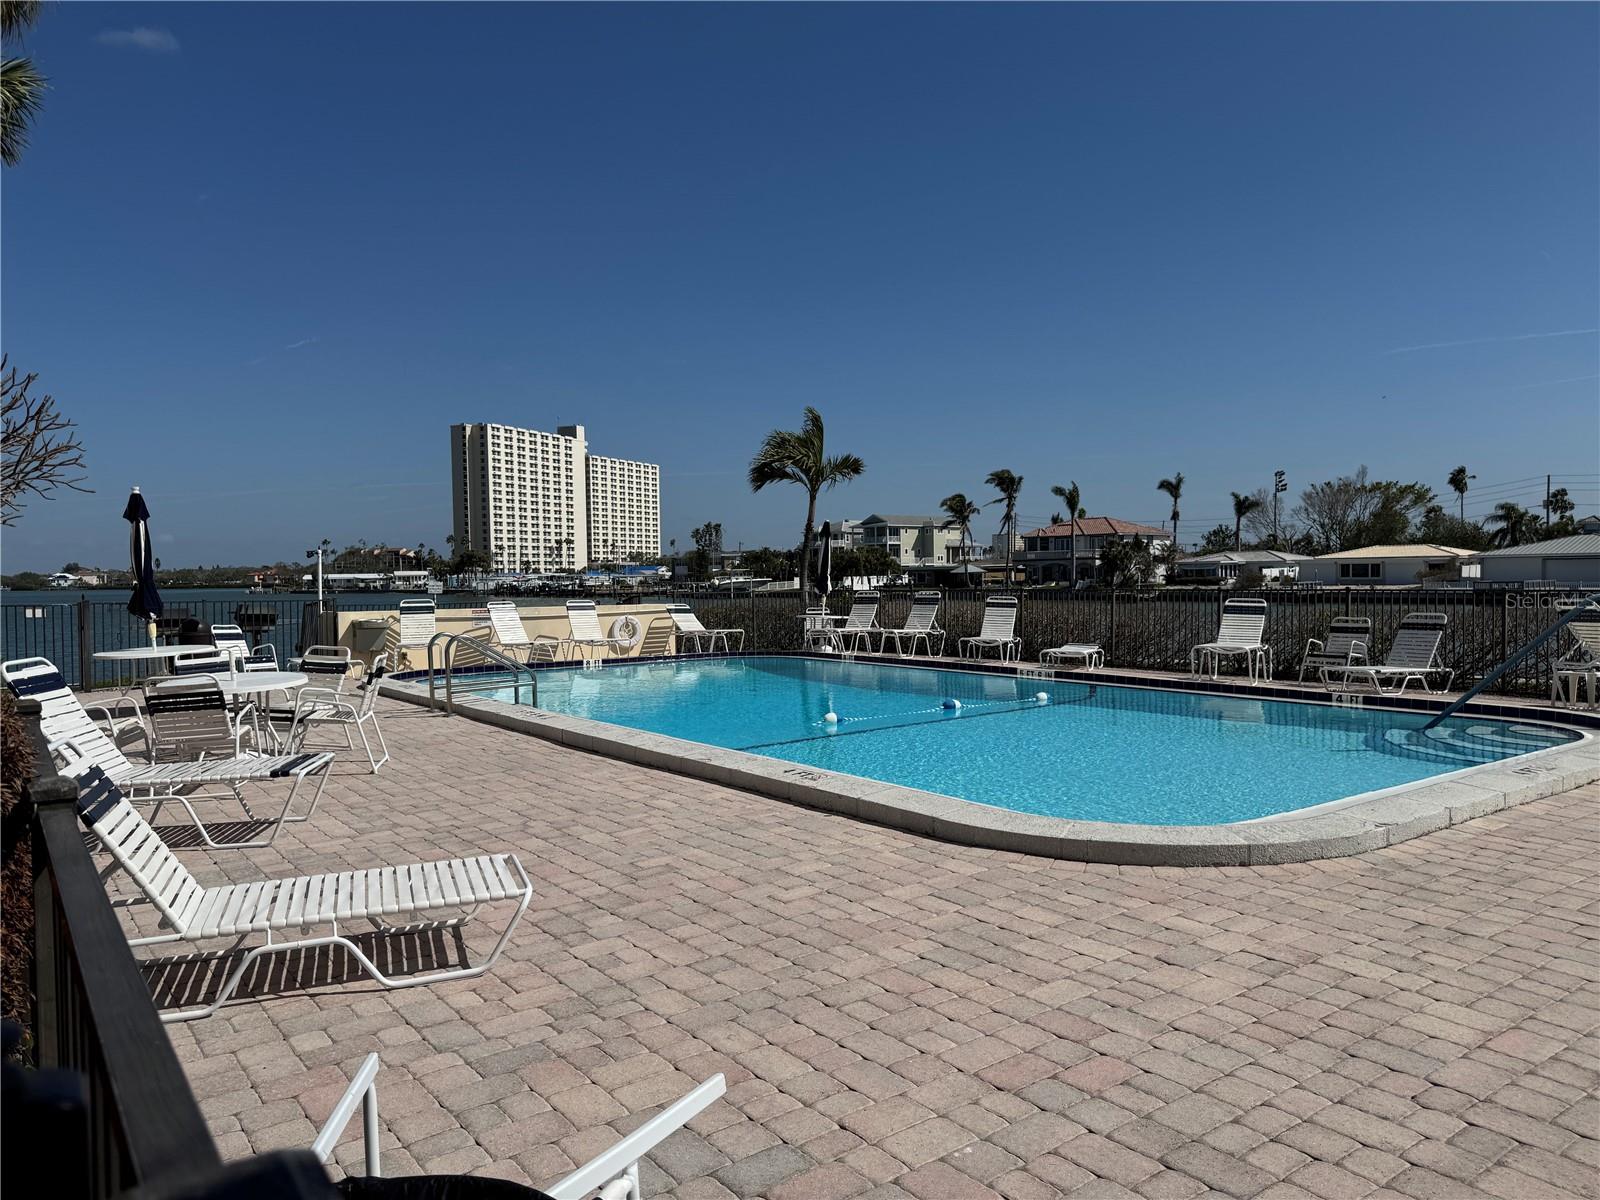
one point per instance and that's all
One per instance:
(541, 502)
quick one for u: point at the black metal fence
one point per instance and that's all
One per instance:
(1151, 630)
(1154, 630)
(135, 1122)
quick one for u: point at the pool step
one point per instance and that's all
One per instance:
(1441, 746)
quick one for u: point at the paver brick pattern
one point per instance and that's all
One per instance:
(898, 1016)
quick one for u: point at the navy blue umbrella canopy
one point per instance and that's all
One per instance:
(145, 601)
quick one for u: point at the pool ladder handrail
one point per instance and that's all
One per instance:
(1592, 601)
(451, 641)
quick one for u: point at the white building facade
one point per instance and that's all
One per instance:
(624, 509)
(524, 497)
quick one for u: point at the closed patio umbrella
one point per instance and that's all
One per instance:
(822, 560)
(145, 601)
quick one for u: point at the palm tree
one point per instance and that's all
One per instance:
(21, 85)
(1516, 524)
(1243, 506)
(1174, 488)
(1072, 498)
(1008, 484)
(800, 456)
(1458, 482)
(961, 512)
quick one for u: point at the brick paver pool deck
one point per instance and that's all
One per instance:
(902, 1017)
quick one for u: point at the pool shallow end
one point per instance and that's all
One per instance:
(1351, 827)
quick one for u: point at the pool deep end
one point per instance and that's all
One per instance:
(1349, 827)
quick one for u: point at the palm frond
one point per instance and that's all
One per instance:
(21, 94)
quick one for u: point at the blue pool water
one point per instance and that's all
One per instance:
(1089, 751)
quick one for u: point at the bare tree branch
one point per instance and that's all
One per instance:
(37, 446)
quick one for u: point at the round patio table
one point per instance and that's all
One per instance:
(144, 654)
(259, 685)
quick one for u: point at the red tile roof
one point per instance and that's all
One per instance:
(1098, 527)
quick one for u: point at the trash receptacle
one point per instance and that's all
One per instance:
(367, 635)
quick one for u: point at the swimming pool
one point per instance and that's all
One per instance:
(1086, 751)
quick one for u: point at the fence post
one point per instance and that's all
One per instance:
(1111, 650)
(1347, 602)
(1505, 635)
(85, 645)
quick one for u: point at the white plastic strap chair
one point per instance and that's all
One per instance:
(286, 907)
(1238, 635)
(699, 638)
(613, 1174)
(999, 631)
(315, 707)
(1346, 643)
(1413, 658)
(584, 621)
(861, 625)
(78, 743)
(922, 625)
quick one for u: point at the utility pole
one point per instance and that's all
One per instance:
(1280, 484)
(1547, 501)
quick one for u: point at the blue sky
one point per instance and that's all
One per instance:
(266, 255)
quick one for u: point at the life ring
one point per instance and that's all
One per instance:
(626, 631)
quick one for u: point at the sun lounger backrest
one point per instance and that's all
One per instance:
(1416, 642)
(1344, 633)
(230, 639)
(418, 622)
(924, 612)
(1585, 630)
(999, 619)
(1243, 622)
(584, 620)
(863, 611)
(62, 715)
(685, 619)
(130, 840)
(203, 661)
(507, 624)
(657, 638)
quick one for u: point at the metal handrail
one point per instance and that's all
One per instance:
(451, 641)
(1527, 649)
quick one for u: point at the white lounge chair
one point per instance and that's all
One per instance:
(657, 639)
(1088, 653)
(583, 620)
(690, 630)
(511, 639)
(1413, 658)
(191, 912)
(71, 734)
(315, 707)
(1238, 636)
(998, 632)
(613, 1174)
(231, 640)
(1346, 644)
(1580, 665)
(922, 625)
(203, 660)
(861, 625)
(419, 621)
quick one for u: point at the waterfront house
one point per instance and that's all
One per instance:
(1047, 552)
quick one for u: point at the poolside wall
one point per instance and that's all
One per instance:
(538, 617)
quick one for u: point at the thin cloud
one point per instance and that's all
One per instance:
(1552, 382)
(1516, 337)
(154, 41)
(301, 342)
